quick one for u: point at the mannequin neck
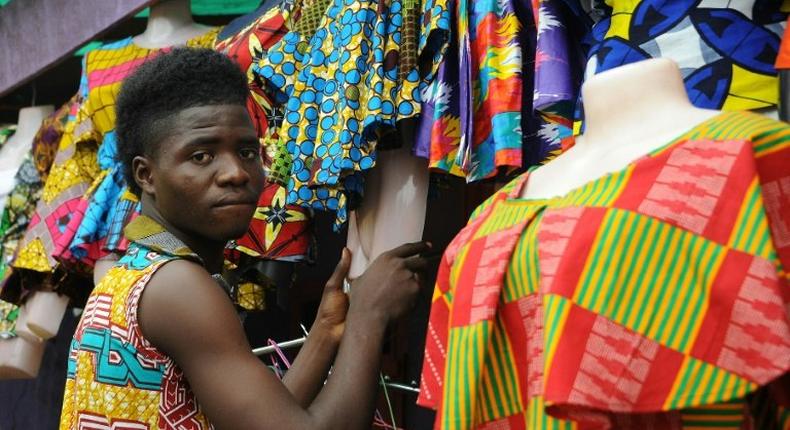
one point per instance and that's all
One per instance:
(169, 24)
(30, 119)
(647, 93)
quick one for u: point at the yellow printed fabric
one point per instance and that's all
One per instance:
(652, 297)
(115, 377)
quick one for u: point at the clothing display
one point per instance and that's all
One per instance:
(26, 196)
(725, 50)
(6, 180)
(81, 198)
(103, 70)
(8, 316)
(635, 301)
(344, 86)
(472, 119)
(19, 208)
(141, 385)
(277, 231)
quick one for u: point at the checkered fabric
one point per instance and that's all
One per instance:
(636, 301)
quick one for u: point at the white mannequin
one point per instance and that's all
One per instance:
(169, 24)
(20, 357)
(629, 112)
(393, 212)
(18, 146)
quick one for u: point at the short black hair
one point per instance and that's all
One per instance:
(179, 79)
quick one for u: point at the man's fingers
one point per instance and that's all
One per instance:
(341, 270)
(409, 249)
(416, 264)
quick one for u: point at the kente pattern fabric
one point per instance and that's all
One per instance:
(627, 302)
(343, 88)
(115, 377)
(472, 111)
(277, 231)
(725, 50)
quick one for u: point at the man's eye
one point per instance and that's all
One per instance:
(249, 154)
(201, 157)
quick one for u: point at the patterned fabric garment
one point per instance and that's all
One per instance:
(45, 144)
(24, 199)
(625, 303)
(19, 208)
(343, 88)
(725, 49)
(88, 230)
(278, 231)
(472, 119)
(115, 377)
(8, 316)
(21, 203)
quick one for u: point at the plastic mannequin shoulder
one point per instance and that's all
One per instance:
(30, 119)
(629, 112)
(169, 24)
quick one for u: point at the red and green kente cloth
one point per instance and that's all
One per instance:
(653, 297)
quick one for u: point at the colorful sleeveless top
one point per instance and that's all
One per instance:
(115, 377)
(652, 297)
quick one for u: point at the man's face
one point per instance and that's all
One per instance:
(207, 172)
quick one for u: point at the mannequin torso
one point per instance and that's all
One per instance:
(14, 151)
(629, 112)
(169, 24)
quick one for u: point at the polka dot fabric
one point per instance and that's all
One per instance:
(343, 88)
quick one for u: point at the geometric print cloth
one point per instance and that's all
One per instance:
(343, 85)
(652, 297)
(725, 50)
(277, 231)
(115, 378)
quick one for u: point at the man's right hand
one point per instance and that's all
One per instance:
(389, 286)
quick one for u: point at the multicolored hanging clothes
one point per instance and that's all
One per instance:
(45, 144)
(634, 301)
(560, 55)
(29, 248)
(725, 49)
(151, 392)
(277, 231)
(104, 69)
(472, 119)
(344, 86)
(8, 316)
(19, 208)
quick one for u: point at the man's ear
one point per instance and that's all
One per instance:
(143, 174)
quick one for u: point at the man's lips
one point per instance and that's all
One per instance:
(235, 202)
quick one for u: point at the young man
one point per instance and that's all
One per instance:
(159, 344)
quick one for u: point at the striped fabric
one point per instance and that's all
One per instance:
(653, 297)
